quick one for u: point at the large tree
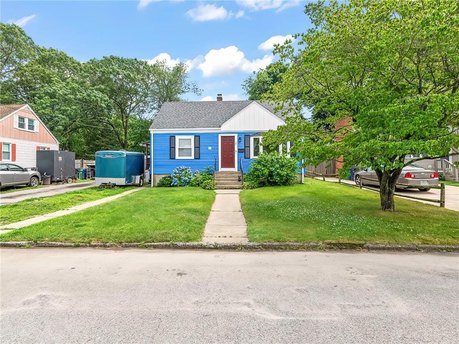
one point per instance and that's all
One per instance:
(391, 68)
(16, 48)
(100, 104)
(136, 90)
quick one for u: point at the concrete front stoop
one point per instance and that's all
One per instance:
(228, 180)
(226, 222)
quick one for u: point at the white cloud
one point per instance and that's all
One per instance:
(230, 96)
(144, 3)
(166, 58)
(270, 42)
(24, 20)
(209, 12)
(227, 60)
(260, 5)
(208, 98)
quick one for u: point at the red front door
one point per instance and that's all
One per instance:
(227, 153)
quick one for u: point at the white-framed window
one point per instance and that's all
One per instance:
(255, 146)
(26, 123)
(21, 122)
(184, 147)
(31, 124)
(284, 148)
(6, 151)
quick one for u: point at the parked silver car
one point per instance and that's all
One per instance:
(412, 176)
(11, 174)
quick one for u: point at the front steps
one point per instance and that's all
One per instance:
(228, 180)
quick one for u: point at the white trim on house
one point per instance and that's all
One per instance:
(185, 130)
(220, 153)
(177, 140)
(9, 151)
(252, 146)
(26, 124)
(37, 117)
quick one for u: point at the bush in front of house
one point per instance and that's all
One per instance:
(202, 177)
(271, 169)
(208, 184)
(165, 181)
(182, 176)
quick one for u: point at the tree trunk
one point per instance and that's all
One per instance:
(387, 182)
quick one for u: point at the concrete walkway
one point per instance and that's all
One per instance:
(41, 218)
(51, 190)
(226, 222)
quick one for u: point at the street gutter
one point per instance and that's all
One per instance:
(288, 246)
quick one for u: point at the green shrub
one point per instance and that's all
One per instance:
(272, 169)
(200, 178)
(165, 181)
(208, 184)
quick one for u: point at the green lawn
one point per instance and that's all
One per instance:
(450, 183)
(43, 205)
(150, 215)
(322, 211)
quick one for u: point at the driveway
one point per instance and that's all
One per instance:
(51, 190)
(142, 296)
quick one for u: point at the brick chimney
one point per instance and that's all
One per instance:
(219, 97)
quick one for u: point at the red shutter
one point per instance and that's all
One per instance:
(13, 152)
(1, 150)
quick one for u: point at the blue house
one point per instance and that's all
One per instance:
(223, 135)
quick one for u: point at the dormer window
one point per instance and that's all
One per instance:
(21, 123)
(25, 123)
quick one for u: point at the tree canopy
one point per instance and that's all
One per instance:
(391, 67)
(104, 103)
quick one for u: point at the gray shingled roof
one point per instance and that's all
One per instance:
(201, 114)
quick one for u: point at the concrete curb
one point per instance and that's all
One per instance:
(309, 246)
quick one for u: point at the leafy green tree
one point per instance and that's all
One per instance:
(391, 67)
(16, 48)
(135, 90)
(260, 83)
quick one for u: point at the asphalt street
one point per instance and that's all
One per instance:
(165, 296)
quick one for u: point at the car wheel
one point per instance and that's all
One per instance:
(424, 189)
(34, 181)
(358, 180)
(141, 182)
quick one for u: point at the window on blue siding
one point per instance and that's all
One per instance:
(256, 148)
(185, 147)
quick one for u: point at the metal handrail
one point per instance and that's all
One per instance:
(215, 169)
(242, 170)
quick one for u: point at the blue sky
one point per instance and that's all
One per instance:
(221, 41)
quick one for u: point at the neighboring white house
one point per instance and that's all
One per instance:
(22, 133)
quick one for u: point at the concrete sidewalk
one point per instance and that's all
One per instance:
(41, 218)
(226, 222)
(52, 190)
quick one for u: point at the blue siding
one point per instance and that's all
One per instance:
(162, 164)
